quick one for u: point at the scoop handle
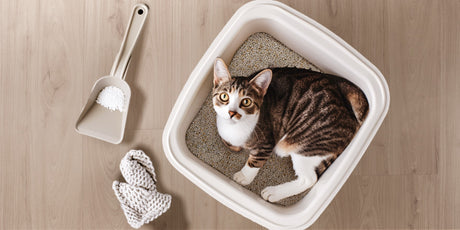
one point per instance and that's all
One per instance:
(138, 16)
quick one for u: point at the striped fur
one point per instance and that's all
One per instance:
(303, 112)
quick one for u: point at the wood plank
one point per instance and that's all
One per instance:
(56, 158)
(413, 56)
(449, 130)
(17, 52)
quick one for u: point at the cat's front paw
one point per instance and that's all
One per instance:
(272, 194)
(242, 179)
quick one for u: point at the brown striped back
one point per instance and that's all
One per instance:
(312, 113)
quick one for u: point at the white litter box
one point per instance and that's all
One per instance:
(318, 45)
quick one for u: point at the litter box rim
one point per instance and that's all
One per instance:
(285, 218)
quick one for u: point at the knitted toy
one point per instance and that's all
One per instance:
(139, 198)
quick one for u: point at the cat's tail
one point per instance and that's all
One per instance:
(356, 98)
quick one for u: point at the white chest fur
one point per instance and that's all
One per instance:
(236, 133)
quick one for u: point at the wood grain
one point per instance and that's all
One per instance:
(52, 52)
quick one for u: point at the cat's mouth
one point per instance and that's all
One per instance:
(235, 116)
(234, 119)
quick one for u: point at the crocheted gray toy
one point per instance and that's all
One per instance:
(139, 198)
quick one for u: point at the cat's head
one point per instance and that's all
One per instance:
(238, 98)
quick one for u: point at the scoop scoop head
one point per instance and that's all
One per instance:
(102, 123)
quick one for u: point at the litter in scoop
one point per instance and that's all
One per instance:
(111, 98)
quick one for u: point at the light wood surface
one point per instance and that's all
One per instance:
(52, 52)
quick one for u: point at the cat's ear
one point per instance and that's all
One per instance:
(262, 80)
(221, 73)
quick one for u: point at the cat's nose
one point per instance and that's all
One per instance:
(232, 113)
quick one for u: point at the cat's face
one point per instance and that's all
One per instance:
(238, 98)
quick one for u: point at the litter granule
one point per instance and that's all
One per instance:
(111, 98)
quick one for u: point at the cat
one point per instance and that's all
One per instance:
(307, 115)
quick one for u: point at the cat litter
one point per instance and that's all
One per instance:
(111, 98)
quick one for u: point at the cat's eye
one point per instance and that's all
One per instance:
(223, 97)
(246, 102)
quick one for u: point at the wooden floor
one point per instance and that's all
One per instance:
(53, 51)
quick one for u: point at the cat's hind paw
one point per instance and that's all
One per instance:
(242, 179)
(272, 194)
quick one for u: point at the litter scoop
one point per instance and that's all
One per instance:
(96, 120)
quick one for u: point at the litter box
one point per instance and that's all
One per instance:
(326, 51)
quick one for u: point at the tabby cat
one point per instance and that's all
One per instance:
(304, 114)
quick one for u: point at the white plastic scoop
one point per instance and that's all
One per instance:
(97, 121)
